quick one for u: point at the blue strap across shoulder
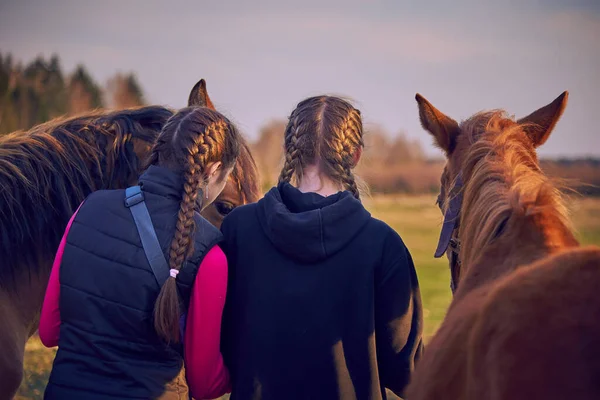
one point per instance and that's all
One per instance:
(134, 200)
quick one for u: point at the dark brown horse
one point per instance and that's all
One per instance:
(45, 174)
(523, 323)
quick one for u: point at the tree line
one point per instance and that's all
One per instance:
(396, 164)
(386, 165)
(41, 90)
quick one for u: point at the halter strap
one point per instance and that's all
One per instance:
(451, 218)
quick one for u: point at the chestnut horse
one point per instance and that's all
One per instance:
(523, 322)
(45, 174)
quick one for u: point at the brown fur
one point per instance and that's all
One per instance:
(45, 173)
(522, 323)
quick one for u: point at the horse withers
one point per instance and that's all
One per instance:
(523, 322)
(45, 173)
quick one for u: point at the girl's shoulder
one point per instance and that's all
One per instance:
(240, 213)
(391, 245)
(388, 235)
(241, 217)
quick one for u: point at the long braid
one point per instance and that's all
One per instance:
(202, 149)
(342, 166)
(350, 182)
(293, 160)
(342, 143)
(185, 217)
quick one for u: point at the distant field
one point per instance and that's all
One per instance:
(418, 221)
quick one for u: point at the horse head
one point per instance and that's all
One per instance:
(479, 139)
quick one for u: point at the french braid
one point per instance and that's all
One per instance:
(202, 139)
(325, 131)
(293, 154)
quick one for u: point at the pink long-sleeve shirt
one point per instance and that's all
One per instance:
(206, 373)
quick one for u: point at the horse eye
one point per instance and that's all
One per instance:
(224, 208)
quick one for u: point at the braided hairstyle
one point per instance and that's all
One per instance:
(325, 131)
(191, 140)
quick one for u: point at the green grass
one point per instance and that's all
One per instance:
(418, 221)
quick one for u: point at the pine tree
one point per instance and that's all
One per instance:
(56, 91)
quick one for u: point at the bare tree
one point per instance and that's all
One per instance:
(268, 151)
(124, 91)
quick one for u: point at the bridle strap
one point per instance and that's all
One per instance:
(451, 218)
(451, 223)
(455, 262)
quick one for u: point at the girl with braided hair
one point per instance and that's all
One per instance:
(120, 334)
(323, 299)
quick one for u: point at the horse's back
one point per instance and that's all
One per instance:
(538, 333)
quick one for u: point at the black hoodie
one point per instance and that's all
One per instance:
(322, 303)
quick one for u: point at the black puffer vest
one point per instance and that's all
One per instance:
(108, 347)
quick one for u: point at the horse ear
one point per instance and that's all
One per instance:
(199, 96)
(443, 128)
(539, 124)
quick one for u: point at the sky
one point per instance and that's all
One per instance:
(260, 58)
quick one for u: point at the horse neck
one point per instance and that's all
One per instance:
(527, 227)
(535, 239)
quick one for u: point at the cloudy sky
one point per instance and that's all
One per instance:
(260, 58)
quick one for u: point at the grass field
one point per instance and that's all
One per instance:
(418, 221)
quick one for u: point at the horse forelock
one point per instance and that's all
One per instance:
(46, 172)
(503, 182)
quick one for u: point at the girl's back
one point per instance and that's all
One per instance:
(323, 300)
(106, 313)
(127, 307)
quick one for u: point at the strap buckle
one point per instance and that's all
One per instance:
(133, 196)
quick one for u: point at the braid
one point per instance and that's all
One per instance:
(341, 162)
(199, 154)
(161, 146)
(185, 218)
(325, 132)
(350, 182)
(201, 150)
(293, 160)
(343, 142)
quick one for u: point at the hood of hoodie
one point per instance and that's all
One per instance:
(307, 226)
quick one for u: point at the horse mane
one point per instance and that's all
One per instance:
(245, 165)
(46, 172)
(504, 182)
